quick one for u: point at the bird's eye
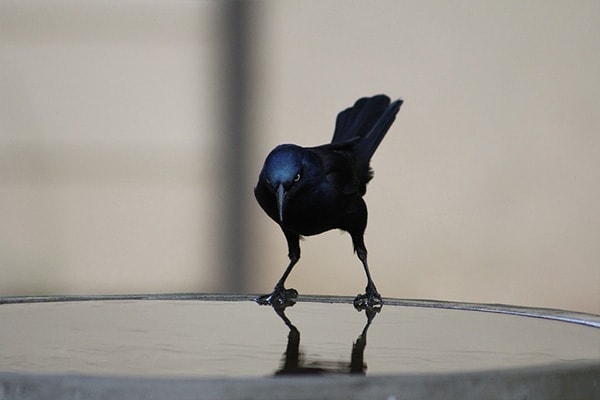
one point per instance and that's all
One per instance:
(268, 181)
(297, 178)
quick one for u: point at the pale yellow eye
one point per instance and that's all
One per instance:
(297, 178)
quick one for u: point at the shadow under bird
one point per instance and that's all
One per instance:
(310, 190)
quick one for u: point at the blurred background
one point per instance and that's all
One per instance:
(132, 134)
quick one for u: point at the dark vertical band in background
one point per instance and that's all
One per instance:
(237, 83)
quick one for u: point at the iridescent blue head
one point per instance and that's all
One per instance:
(283, 165)
(282, 170)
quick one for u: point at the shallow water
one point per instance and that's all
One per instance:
(240, 338)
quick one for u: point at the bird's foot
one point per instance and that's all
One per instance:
(279, 299)
(370, 301)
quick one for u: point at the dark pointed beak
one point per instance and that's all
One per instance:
(280, 201)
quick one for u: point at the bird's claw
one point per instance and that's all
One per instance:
(370, 301)
(279, 299)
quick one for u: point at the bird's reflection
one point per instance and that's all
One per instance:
(295, 364)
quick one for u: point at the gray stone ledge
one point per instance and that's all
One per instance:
(548, 383)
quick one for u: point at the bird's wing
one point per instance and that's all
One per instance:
(266, 200)
(340, 167)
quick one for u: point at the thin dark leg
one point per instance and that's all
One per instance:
(282, 297)
(371, 300)
(281, 282)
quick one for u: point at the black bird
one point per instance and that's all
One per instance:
(310, 190)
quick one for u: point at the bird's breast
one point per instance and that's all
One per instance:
(314, 212)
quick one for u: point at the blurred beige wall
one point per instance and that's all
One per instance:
(107, 146)
(485, 190)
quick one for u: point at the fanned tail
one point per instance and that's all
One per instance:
(357, 121)
(366, 147)
(368, 119)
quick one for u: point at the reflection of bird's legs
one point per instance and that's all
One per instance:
(357, 363)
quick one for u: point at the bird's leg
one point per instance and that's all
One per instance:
(371, 300)
(282, 297)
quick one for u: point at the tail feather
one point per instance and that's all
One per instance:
(366, 147)
(358, 120)
(365, 124)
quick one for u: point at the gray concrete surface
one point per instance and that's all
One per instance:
(548, 383)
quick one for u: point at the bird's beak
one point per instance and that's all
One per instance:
(280, 201)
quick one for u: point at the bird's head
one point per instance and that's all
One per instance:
(283, 173)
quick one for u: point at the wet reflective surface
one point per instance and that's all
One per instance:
(217, 338)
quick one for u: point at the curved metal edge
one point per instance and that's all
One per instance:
(550, 383)
(573, 317)
(116, 297)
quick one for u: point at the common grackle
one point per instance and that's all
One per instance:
(310, 190)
